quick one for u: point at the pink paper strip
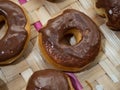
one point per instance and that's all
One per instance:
(22, 1)
(75, 81)
(38, 25)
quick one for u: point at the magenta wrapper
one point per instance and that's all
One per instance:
(22, 1)
(38, 25)
(75, 82)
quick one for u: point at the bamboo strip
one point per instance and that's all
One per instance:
(51, 7)
(90, 75)
(27, 74)
(110, 52)
(33, 17)
(33, 33)
(23, 88)
(2, 78)
(113, 68)
(86, 4)
(99, 87)
(78, 6)
(111, 37)
(14, 70)
(106, 83)
(33, 5)
(111, 74)
(93, 85)
(16, 84)
(43, 12)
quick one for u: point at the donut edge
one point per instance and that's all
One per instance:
(56, 66)
(27, 28)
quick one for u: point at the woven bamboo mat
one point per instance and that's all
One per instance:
(104, 74)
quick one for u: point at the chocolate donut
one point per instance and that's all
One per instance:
(14, 41)
(49, 80)
(56, 49)
(111, 9)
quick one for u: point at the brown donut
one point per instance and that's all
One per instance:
(14, 41)
(111, 9)
(49, 80)
(55, 47)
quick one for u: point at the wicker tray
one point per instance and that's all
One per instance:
(106, 73)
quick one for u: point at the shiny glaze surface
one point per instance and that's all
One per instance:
(14, 40)
(112, 9)
(78, 55)
(48, 80)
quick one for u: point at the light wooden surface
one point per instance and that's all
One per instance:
(105, 74)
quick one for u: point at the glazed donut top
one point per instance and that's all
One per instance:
(14, 40)
(112, 9)
(48, 80)
(77, 55)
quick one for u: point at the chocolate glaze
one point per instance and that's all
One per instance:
(77, 55)
(48, 80)
(112, 9)
(14, 40)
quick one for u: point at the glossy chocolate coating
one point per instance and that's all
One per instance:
(48, 80)
(112, 9)
(77, 55)
(14, 40)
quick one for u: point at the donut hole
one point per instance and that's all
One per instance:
(3, 27)
(68, 39)
(71, 37)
